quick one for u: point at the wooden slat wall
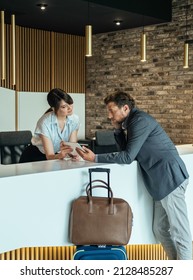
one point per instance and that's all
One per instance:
(67, 52)
(45, 60)
(40, 253)
(134, 252)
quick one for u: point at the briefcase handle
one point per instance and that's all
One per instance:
(105, 185)
(89, 189)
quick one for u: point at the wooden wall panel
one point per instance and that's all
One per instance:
(45, 60)
(68, 56)
(32, 59)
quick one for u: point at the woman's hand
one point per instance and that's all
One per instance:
(86, 153)
(74, 157)
(65, 150)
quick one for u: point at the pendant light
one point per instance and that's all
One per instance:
(143, 45)
(13, 49)
(186, 55)
(186, 45)
(88, 34)
(2, 47)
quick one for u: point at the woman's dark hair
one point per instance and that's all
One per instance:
(120, 99)
(55, 96)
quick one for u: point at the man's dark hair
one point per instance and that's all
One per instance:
(120, 99)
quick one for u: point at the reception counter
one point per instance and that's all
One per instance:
(35, 200)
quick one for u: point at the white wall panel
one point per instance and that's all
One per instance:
(7, 109)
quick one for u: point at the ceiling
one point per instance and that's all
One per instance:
(71, 16)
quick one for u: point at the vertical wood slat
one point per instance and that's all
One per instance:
(44, 60)
(7, 57)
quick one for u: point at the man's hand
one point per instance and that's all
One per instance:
(116, 125)
(86, 154)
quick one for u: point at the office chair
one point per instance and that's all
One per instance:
(104, 142)
(12, 144)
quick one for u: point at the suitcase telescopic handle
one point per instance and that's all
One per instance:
(99, 169)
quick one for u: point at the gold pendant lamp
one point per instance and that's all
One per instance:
(186, 55)
(13, 50)
(143, 44)
(88, 35)
(143, 47)
(186, 45)
(2, 48)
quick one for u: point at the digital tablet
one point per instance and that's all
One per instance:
(74, 146)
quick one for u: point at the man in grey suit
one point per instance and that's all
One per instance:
(141, 138)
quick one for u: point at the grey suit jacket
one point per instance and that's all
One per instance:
(145, 141)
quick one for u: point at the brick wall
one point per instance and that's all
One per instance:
(160, 86)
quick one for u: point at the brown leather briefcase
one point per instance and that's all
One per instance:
(100, 220)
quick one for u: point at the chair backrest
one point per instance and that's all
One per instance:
(105, 142)
(12, 144)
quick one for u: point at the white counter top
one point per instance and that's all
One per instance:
(58, 165)
(42, 166)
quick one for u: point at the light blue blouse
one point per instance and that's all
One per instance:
(48, 126)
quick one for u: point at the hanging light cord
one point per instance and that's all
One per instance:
(88, 12)
(143, 25)
(186, 21)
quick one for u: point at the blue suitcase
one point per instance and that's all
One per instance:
(100, 252)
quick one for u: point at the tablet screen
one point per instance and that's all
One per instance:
(74, 146)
